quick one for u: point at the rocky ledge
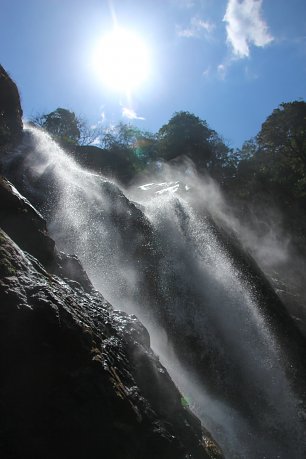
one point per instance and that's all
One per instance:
(78, 379)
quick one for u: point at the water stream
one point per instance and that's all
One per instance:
(162, 260)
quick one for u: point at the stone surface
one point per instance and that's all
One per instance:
(10, 110)
(78, 379)
(28, 229)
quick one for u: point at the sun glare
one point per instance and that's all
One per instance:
(121, 60)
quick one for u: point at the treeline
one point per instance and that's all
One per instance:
(125, 150)
(270, 166)
(269, 171)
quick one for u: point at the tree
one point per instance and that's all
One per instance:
(61, 124)
(68, 129)
(282, 147)
(276, 160)
(284, 131)
(273, 164)
(89, 135)
(186, 134)
(136, 145)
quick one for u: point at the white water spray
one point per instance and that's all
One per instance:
(166, 247)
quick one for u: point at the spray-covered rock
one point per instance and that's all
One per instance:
(78, 379)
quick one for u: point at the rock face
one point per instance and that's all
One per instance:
(78, 379)
(28, 229)
(88, 383)
(196, 281)
(10, 110)
(114, 163)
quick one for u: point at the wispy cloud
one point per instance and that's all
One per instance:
(183, 3)
(196, 28)
(245, 26)
(206, 72)
(250, 74)
(100, 121)
(222, 70)
(130, 114)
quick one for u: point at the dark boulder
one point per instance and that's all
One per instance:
(28, 229)
(10, 110)
(78, 379)
(115, 163)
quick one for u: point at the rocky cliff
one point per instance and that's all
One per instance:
(228, 339)
(10, 110)
(78, 378)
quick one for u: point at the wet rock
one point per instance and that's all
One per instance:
(28, 229)
(24, 224)
(73, 382)
(78, 379)
(10, 110)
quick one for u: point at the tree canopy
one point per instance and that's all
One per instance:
(185, 134)
(274, 162)
(67, 128)
(61, 124)
(282, 140)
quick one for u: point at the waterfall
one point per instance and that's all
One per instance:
(165, 259)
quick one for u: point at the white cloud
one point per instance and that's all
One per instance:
(196, 28)
(245, 26)
(222, 70)
(130, 114)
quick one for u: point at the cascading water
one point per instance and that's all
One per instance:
(166, 261)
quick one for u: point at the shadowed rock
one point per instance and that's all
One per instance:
(10, 110)
(78, 379)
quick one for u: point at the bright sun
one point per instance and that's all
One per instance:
(122, 60)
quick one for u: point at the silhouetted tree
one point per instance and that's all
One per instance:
(130, 142)
(282, 147)
(186, 134)
(68, 129)
(61, 124)
(275, 160)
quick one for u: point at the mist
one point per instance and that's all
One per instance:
(167, 250)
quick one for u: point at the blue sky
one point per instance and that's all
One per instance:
(230, 62)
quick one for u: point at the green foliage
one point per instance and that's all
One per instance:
(132, 145)
(62, 125)
(284, 131)
(121, 141)
(67, 128)
(129, 148)
(129, 136)
(274, 162)
(187, 135)
(282, 147)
